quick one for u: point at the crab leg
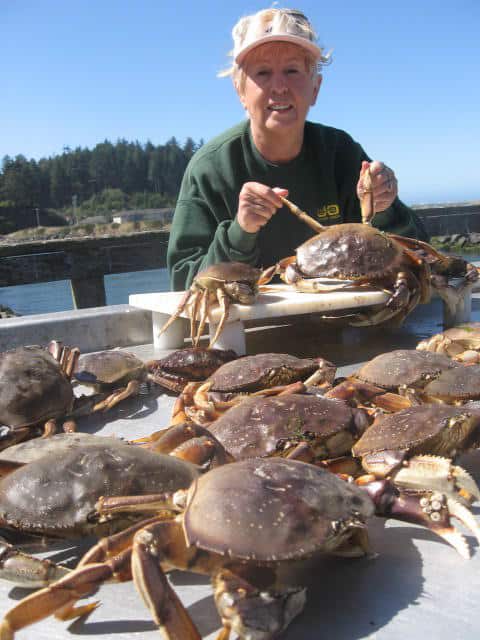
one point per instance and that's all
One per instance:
(58, 597)
(117, 396)
(193, 313)
(181, 306)
(190, 442)
(203, 314)
(26, 570)
(151, 582)
(224, 302)
(304, 217)
(110, 558)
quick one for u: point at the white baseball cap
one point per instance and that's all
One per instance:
(274, 25)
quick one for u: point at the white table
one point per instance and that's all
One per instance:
(278, 302)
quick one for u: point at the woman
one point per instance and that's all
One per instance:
(229, 206)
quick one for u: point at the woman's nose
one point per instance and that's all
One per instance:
(279, 83)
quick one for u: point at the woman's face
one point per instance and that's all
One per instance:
(279, 87)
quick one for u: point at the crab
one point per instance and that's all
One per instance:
(54, 494)
(353, 256)
(414, 448)
(242, 524)
(260, 374)
(117, 373)
(462, 343)
(191, 364)
(302, 427)
(221, 283)
(397, 379)
(35, 390)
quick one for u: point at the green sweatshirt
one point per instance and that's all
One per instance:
(321, 180)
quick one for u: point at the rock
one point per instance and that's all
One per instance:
(474, 238)
(6, 312)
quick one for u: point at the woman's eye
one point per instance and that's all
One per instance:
(292, 71)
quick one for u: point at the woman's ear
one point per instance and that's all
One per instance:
(316, 88)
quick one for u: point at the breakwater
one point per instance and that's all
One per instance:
(448, 219)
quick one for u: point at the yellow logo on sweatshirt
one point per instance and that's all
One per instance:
(329, 211)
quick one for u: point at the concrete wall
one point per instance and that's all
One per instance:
(452, 218)
(89, 329)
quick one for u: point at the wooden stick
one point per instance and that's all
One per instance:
(304, 217)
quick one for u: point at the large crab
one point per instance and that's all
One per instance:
(353, 256)
(241, 524)
(462, 343)
(260, 374)
(304, 427)
(397, 379)
(35, 390)
(220, 283)
(54, 494)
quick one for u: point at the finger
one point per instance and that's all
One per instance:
(267, 194)
(260, 206)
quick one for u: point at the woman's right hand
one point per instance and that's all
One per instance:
(257, 203)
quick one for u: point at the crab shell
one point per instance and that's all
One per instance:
(56, 494)
(351, 251)
(239, 280)
(106, 368)
(34, 449)
(33, 387)
(434, 429)
(269, 510)
(187, 365)
(264, 426)
(456, 385)
(262, 371)
(404, 367)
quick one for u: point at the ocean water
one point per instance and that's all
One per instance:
(47, 297)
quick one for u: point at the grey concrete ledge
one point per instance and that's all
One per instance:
(89, 329)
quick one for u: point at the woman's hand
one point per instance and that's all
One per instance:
(256, 205)
(384, 184)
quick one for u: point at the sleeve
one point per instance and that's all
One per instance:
(398, 218)
(402, 220)
(203, 233)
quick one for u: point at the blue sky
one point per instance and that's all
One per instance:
(405, 79)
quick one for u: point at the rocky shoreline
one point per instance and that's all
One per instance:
(464, 242)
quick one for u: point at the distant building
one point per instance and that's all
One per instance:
(136, 215)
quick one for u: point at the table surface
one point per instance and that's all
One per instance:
(276, 300)
(416, 586)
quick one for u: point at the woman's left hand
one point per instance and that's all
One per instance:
(384, 184)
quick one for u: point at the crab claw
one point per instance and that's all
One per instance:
(251, 612)
(435, 473)
(430, 509)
